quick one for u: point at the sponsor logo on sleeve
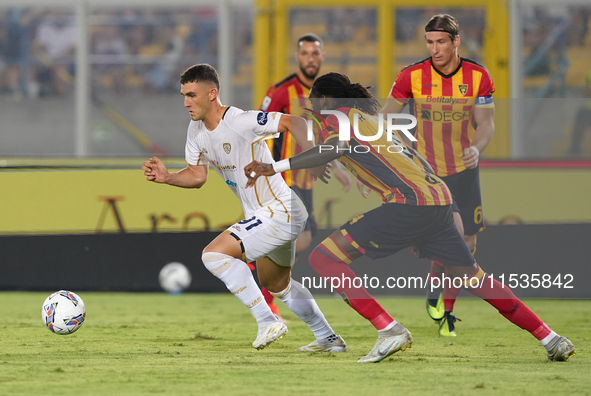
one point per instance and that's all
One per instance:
(262, 118)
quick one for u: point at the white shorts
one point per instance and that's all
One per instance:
(268, 235)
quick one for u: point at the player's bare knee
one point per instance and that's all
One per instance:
(208, 249)
(275, 285)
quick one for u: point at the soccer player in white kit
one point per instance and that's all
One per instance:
(228, 139)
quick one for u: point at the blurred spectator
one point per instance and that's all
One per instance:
(109, 46)
(472, 22)
(579, 25)
(582, 119)
(202, 40)
(167, 50)
(407, 22)
(54, 47)
(534, 38)
(18, 78)
(341, 23)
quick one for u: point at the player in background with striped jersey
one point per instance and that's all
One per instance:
(416, 213)
(309, 56)
(454, 108)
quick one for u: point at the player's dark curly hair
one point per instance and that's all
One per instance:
(201, 72)
(346, 94)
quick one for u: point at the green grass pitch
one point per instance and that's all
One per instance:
(200, 344)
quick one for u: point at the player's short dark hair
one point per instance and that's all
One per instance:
(443, 23)
(346, 93)
(310, 38)
(201, 72)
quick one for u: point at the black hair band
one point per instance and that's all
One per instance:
(441, 30)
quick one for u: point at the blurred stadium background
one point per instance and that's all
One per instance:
(89, 89)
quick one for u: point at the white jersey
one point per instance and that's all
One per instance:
(238, 140)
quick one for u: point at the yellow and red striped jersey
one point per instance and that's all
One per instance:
(279, 98)
(444, 107)
(390, 168)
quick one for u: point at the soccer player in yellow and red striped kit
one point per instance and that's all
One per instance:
(417, 212)
(454, 108)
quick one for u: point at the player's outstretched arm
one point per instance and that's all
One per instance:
(298, 128)
(314, 157)
(193, 176)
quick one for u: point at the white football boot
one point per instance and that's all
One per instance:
(333, 343)
(269, 334)
(386, 346)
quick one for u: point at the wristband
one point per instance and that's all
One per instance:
(281, 166)
(476, 149)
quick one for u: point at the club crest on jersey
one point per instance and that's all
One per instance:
(227, 147)
(262, 118)
(463, 88)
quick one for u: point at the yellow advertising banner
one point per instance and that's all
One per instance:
(110, 201)
(82, 201)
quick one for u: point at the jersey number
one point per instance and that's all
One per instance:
(478, 215)
(252, 221)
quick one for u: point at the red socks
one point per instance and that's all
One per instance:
(330, 262)
(450, 292)
(268, 297)
(503, 299)
(341, 277)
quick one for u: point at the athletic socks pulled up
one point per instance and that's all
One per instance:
(239, 280)
(327, 265)
(300, 301)
(508, 305)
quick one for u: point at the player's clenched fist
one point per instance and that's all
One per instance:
(154, 170)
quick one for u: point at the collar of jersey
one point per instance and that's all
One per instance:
(442, 74)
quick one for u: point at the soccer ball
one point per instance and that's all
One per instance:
(63, 312)
(174, 277)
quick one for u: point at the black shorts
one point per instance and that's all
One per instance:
(392, 227)
(465, 190)
(306, 197)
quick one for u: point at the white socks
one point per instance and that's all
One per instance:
(300, 301)
(239, 280)
(545, 341)
(393, 329)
